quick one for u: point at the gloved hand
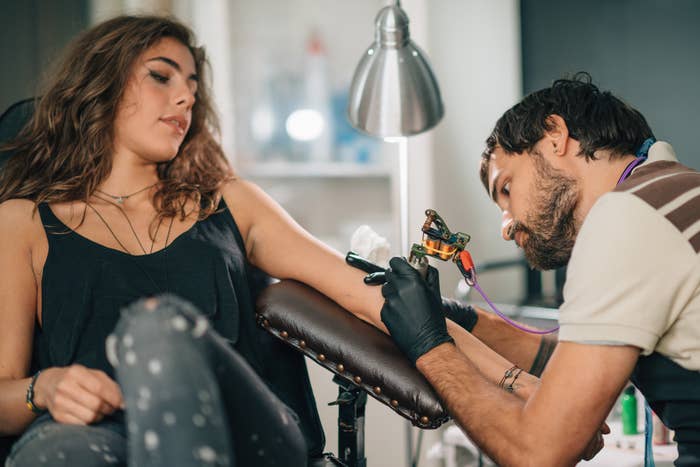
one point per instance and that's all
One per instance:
(412, 312)
(463, 315)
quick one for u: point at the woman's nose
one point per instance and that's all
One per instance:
(507, 226)
(185, 97)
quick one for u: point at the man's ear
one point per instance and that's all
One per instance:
(557, 134)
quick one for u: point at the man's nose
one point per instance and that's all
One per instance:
(507, 226)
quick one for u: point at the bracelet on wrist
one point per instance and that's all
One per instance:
(30, 395)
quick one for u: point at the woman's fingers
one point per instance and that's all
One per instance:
(99, 384)
(71, 408)
(80, 395)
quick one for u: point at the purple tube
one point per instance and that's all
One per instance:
(473, 283)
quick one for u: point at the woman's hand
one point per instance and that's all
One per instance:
(77, 395)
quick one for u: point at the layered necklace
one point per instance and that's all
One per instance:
(118, 201)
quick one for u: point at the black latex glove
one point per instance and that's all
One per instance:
(412, 312)
(462, 314)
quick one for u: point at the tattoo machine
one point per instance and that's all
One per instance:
(439, 242)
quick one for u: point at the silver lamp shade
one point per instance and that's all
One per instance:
(394, 92)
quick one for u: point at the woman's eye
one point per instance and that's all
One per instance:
(158, 77)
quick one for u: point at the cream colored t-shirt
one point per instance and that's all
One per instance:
(634, 273)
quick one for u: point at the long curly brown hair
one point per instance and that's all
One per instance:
(64, 152)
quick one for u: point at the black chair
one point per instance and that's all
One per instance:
(363, 359)
(11, 123)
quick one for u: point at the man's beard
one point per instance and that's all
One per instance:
(551, 228)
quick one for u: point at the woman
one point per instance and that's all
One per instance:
(120, 191)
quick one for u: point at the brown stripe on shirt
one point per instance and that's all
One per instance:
(661, 192)
(686, 214)
(674, 180)
(695, 242)
(649, 171)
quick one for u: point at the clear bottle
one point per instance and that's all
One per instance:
(629, 411)
(318, 98)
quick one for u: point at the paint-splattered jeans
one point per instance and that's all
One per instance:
(191, 400)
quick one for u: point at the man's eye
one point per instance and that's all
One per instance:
(505, 189)
(158, 77)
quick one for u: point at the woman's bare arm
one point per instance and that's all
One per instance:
(279, 246)
(17, 313)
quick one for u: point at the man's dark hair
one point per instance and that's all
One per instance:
(596, 119)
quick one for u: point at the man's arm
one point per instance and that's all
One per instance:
(528, 351)
(555, 424)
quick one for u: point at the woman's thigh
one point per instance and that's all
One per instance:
(58, 445)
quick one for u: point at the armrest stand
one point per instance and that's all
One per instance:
(351, 423)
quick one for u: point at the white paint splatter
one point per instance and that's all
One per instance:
(199, 420)
(151, 440)
(155, 366)
(179, 323)
(169, 418)
(206, 453)
(130, 357)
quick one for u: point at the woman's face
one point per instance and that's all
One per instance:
(156, 108)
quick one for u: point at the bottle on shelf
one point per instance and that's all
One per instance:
(311, 125)
(629, 411)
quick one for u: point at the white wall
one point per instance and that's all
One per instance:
(475, 52)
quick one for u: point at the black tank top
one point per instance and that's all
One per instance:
(85, 284)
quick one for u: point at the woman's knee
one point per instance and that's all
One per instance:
(166, 322)
(55, 444)
(161, 359)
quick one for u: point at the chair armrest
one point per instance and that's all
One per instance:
(347, 346)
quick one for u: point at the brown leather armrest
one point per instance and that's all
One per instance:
(349, 347)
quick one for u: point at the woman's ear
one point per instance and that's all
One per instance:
(557, 134)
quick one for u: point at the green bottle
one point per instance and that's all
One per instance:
(629, 411)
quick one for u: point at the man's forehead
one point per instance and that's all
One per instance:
(497, 162)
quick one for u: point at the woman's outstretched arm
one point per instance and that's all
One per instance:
(279, 246)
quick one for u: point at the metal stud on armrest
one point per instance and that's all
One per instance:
(352, 349)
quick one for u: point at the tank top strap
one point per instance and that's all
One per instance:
(52, 224)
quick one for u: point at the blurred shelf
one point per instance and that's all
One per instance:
(314, 170)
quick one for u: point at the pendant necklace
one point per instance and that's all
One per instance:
(122, 198)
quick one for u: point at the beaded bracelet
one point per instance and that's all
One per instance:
(30, 395)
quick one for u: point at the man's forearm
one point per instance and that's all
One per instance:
(490, 364)
(490, 416)
(528, 351)
(493, 418)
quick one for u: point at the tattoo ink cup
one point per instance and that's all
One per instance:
(629, 411)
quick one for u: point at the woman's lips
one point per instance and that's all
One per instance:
(177, 125)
